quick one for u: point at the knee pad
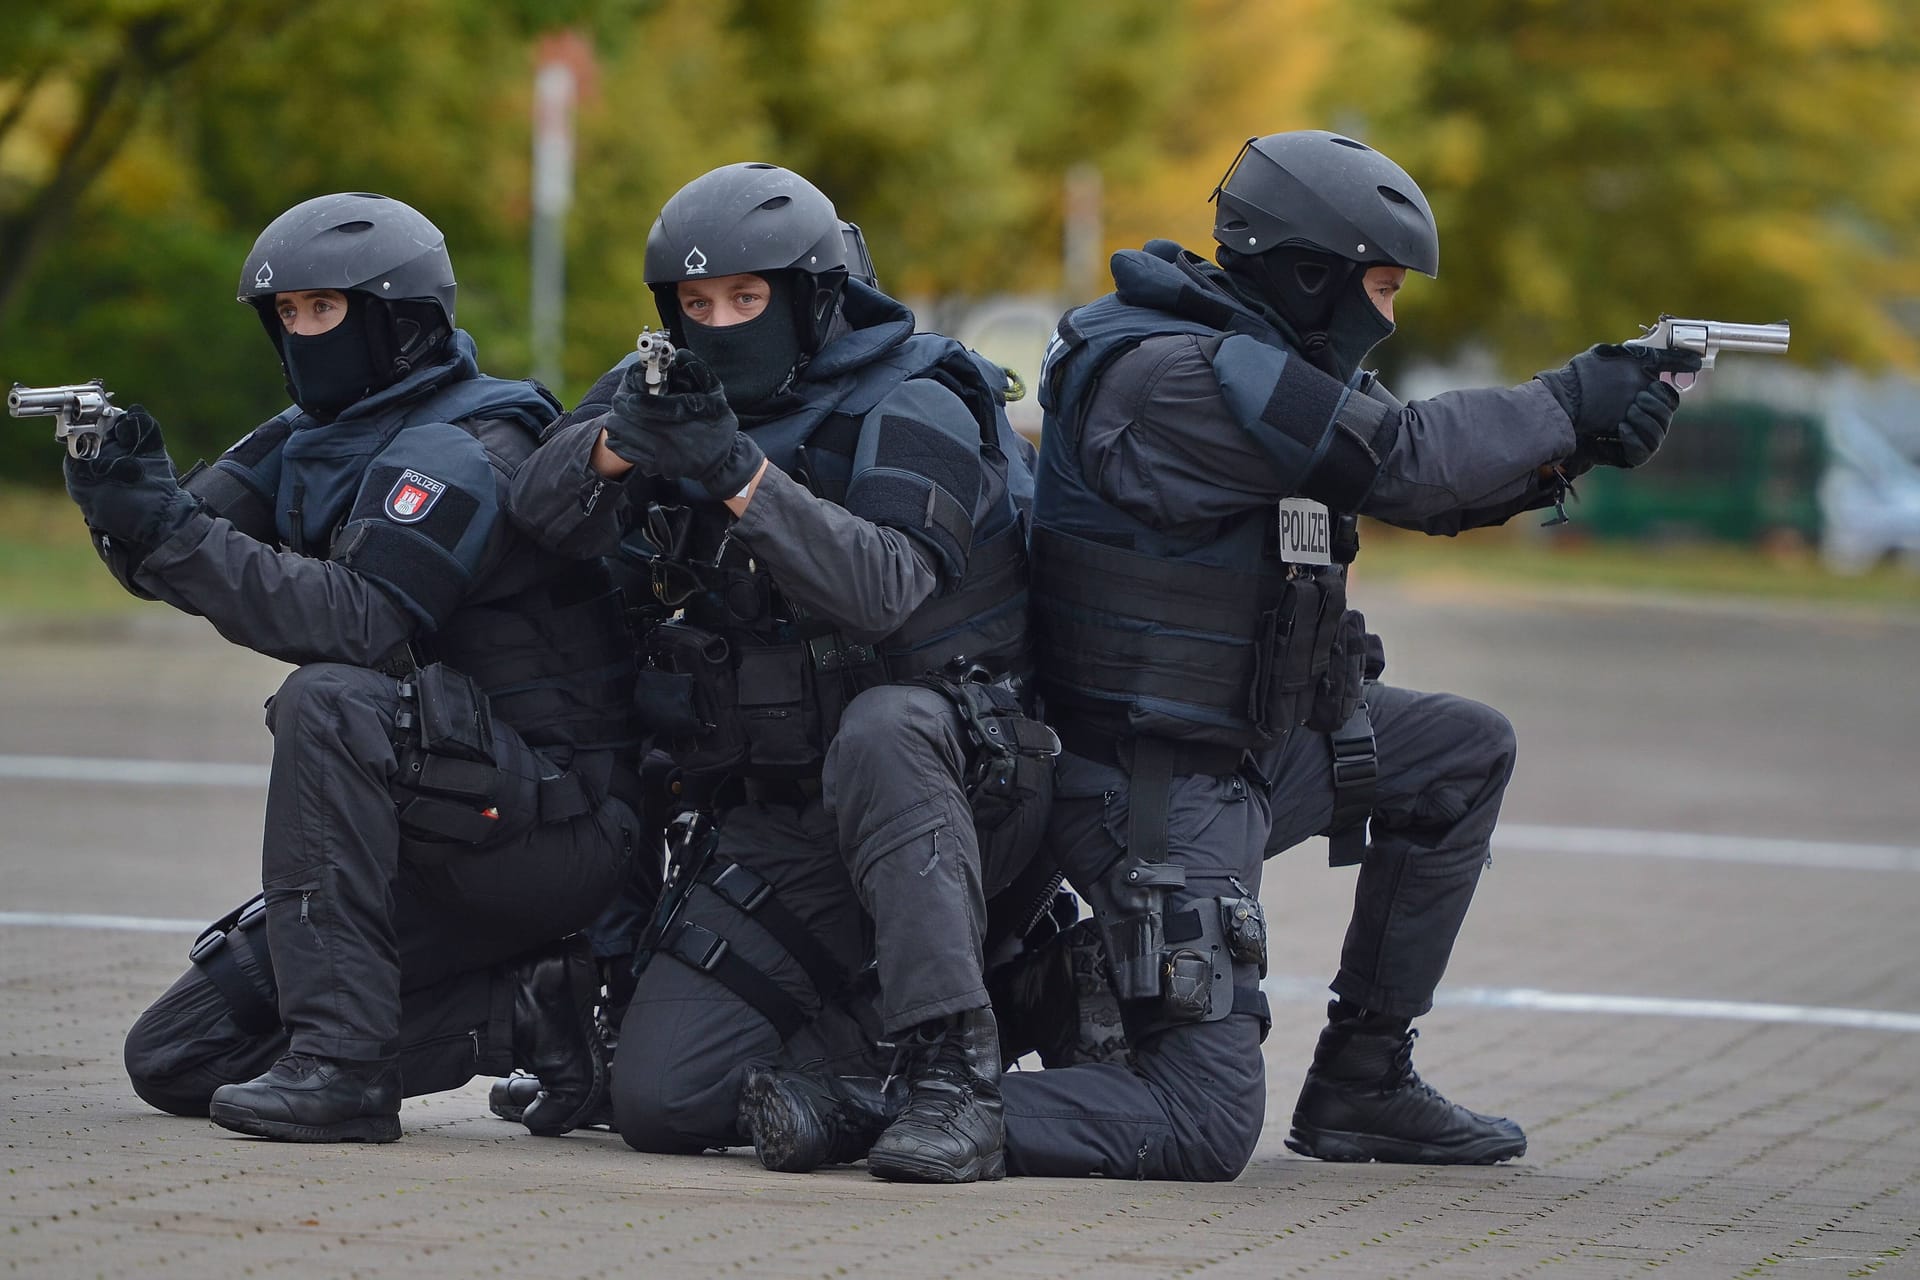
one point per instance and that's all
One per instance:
(232, 954)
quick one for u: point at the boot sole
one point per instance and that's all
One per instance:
(1342, 1147)
(900, 1168)
(767, 1122)
(359, 1129)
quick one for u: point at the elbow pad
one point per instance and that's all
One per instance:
(1325, 441)
(241, 485)
(916, 468)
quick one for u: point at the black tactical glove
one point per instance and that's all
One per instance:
(687, 432)
(128, 490)
(1620, 408)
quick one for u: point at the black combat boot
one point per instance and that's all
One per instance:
(952, 1129)
(302, 1098)
(800, 1120)
(511, 1096)
(1364, 1101)
(555, 1037)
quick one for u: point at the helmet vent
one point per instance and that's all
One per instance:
(354, 228)
(778, 202)
(762, 165)
(1394, 196)
(1349, 142)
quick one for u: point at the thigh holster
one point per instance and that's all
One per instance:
(701, 948)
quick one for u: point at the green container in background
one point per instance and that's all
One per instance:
(1731, 472)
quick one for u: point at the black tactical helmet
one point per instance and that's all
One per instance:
(351, 241)
(1318, 190)
(859, 258)
(750, 218)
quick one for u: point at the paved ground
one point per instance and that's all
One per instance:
(1712, 1036)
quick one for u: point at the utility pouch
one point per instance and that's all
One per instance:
(777, 713)
(1338, 695)
(1284, 678)
(450, 780)
(1013, 754)
(454, 719)
(1246, 929)
(1187, 986)
(688, 684)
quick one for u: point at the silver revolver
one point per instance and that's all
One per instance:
(80, 412)
(656, 352)
(1708, 338)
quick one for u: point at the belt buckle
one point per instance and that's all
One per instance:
(712, 951)
(756, 888)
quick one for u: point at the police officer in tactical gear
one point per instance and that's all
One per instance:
(1210, 438)
(451, 747)
(822, 495)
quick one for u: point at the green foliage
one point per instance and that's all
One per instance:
(1591, 164)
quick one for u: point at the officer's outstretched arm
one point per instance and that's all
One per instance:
(1467, 458)
(426, 519)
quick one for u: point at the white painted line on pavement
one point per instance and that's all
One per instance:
(1283, 988)
(168, 773)
(80, 920)
(1533, 838)
(1645, 1006)
(1706, 848)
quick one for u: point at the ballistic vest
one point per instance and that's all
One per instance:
(788, 676)
(1204, 638)
(543, 635)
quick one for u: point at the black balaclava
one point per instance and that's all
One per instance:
(1321, 299)
(757, 358)
(328, 371)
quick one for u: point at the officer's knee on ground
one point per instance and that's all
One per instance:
(667, 1103)
(151, 1054)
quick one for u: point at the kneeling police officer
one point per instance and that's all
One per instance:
(822, 494)
(451, 747)
(1210, 438)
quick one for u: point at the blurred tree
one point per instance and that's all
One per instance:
(80, 76)
(1592, 165)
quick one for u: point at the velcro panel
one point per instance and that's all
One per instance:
(425, 577)
(1286, 404)
(922, 479)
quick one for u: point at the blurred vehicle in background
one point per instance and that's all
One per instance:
(1870, 496)
(1735, 472)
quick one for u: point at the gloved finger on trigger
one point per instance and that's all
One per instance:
(689, 372)
(1671, 360)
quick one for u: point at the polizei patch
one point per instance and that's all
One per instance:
(1306, 532)
(413, 496)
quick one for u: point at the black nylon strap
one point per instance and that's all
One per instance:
(1151, 782)
(564, 797)
(1252, 1000)
(708, 952)
(1356, 776)
(254, 1009)
(748, 891)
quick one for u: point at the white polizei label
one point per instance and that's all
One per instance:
(1306, 532)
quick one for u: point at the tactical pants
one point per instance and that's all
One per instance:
(884, 861)
(383, 945)
(1191, 1105)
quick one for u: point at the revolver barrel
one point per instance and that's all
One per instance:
(79, 410)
